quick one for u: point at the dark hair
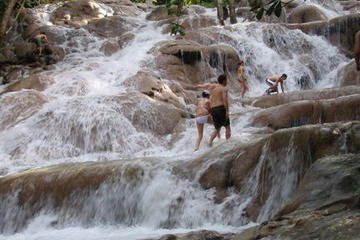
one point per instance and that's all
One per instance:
(241, 62)
(284, 75)
(205, 94)
(222, 78)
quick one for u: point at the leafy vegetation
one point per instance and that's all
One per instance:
(272, 7)
(177, 29)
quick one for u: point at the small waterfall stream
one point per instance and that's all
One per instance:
(87, 115)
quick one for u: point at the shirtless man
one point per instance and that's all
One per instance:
(357, 50)
(242, 79)
(273, 83)
(219, 106)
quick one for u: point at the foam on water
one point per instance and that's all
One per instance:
(83, 119)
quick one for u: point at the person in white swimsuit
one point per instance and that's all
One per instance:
(202, 116)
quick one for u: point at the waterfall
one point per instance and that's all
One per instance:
(88, 115)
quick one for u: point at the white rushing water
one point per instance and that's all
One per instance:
(84, 116)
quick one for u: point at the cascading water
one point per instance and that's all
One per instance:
(87, 115)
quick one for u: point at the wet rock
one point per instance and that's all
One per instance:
(148, 115)
(339, 31)
(348, 75)
(260, 160)
(114, 26)
(123, 7)
(151, 84)
(160, 13)
(7, 55)
(325, 204)
(14, 74)
(80, 13)
(309, 112)
(114, 45)
(191, 63)
(61, 185)
(306, 13)
(110, 47)
(191, 23)
(270, 101)
(125, 40)
(37, 82)
(19, 106)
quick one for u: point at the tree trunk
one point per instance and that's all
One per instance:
(232, 12)
(6, 17)
(220, 11)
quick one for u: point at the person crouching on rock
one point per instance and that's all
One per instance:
(273, 83)
(219, 106)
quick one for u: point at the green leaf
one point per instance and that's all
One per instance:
(260, 13)
(278, 9)
(271, 9)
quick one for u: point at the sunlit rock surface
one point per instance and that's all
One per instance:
(346, 108)
(37, 82)
(274, 100)
(306, 13)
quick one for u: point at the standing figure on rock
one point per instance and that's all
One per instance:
(40, 39)
(202, 116)
(242, 79)
(273, 83)
(357, 50)
(219, 106)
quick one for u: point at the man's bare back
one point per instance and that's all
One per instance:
(218, 96)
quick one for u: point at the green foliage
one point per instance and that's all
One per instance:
(177, 29)
(208, 3)
(260, 8)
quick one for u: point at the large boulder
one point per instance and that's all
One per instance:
(151, 84)
(306, 13)
(348, 75)
(123, 7)
(145, 114)
(192, 63)
(37, 82)
(340, 31)
(19, 106)
(159, 13)
(299, 113)
(325, 205)
(80, 13)
(114, 26)
(60, 188)
(113, 45)
(270, 101)
(267, 170)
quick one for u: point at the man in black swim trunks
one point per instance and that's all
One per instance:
(219, 106)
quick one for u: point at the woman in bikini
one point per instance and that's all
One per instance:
(242, 79)
(202, 116)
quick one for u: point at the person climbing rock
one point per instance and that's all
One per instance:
(273, 83)
(40, 39)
